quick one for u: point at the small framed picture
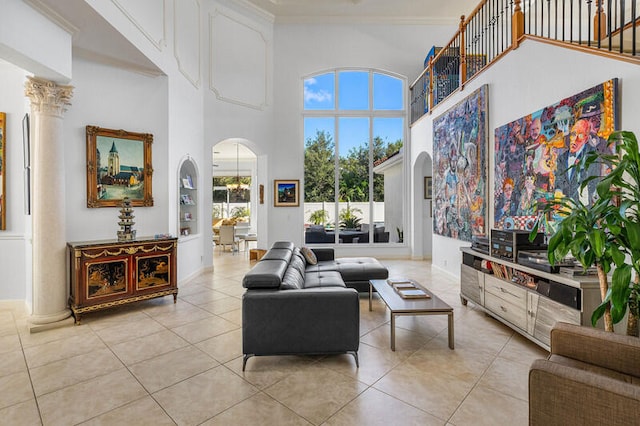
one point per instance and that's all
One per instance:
(286, 193)
(187, 216)
(428, 187)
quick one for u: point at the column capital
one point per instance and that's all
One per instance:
(47, 96)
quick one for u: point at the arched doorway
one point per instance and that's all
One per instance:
(423, 207)
(235, 194)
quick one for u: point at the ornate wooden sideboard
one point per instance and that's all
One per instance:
(108, 273)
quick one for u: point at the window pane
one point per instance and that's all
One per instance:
(388, 178)
(387, 92)
(353, 89)
(319, 180)
(319, 92)
(353, 184)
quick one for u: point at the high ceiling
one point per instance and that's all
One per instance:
(367, 10)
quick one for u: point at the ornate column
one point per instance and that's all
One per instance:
(50, 305)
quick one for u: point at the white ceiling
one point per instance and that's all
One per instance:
(433, 11)
(97, 40)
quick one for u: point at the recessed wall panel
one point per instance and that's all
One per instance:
(238, 70)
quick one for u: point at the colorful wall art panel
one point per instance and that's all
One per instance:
(460, 142)
(534, 154)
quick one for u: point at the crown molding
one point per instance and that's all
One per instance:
(367, 20)
(53, 16)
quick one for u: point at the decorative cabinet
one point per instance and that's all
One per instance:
(533, 309)
(188, 202)
(108, 273)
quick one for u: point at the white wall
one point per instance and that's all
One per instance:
(31, 41)
(243, 112)
(115, 99)
(301, 50)
(15, 240)
(531, 77)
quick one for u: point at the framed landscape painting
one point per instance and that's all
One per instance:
(286, 193)
(118, 166)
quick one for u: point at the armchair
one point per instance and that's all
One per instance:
(590, 377)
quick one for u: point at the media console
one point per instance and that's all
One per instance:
(528, 300)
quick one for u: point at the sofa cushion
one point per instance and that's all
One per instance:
(265, 274)
(278, 253)
(323, 279)
(297, 261)
(309, 255)
(283, 245)
(361, 269)
(293, 279)
(353, 268)
(580, 365)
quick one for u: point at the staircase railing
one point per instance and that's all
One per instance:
(497, 26)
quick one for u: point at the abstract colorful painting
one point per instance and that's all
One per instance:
(460, 142)
(534, 154)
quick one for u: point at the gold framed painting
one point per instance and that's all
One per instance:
(286, 193)
(118, 166)
(3, 174)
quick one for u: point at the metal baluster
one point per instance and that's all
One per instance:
(549, 18)
(556, 19)
(634, 22)
(535, 18)
(609, 24)
(589, 22)
(571, 21)
(563, 18)
(621, 26)
(579, 26)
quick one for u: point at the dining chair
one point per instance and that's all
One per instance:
(228, 237)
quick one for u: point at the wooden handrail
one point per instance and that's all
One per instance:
(482, 35)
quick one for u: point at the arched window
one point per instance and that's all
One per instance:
(354, 133)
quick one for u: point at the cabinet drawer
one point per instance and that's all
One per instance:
(516, 314)
(504, 290)
(547, 313)
(472, 284)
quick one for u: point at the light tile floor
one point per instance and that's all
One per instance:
(160, 363)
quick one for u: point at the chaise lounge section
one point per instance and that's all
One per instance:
(293, 307)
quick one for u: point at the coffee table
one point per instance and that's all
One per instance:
(399, 306)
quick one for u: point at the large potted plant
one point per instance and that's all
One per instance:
(621, 187)
(606, 233)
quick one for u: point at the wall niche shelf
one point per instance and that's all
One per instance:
(188, 198)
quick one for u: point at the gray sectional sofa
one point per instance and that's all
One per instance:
(293, 307)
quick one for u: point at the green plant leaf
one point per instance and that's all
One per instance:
(633, 232)
(620, 291)
(598, 313)
(597, 239)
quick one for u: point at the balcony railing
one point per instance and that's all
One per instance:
(497, 26)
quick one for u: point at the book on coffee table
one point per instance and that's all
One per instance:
(414, 293)
(394, 281)
(404, 286)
